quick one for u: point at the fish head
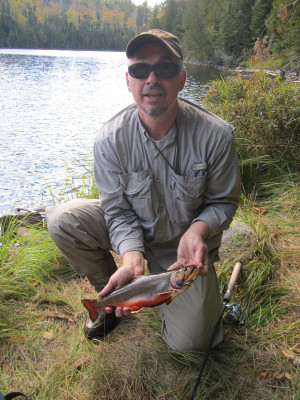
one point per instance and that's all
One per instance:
(184, 277)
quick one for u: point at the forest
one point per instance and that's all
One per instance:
(223, 31)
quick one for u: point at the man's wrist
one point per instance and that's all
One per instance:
(133, 259)
(201, 229)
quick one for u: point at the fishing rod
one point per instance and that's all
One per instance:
(226, 298)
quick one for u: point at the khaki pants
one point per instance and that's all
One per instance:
(78, 228)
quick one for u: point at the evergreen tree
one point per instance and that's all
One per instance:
(155, 18)
(6, 25)
(260, 11)
(283, 27)
(235, 32)
(201, 24)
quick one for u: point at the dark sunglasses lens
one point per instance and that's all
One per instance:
(140, 70)
(162, 70)
(166, 70)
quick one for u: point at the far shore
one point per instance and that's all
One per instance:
(283, 73)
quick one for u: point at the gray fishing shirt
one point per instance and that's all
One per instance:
(151, 192)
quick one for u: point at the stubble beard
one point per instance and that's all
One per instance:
(153, 109)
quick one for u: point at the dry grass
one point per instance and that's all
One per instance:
(43, 351)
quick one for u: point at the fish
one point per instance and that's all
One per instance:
(145, 291)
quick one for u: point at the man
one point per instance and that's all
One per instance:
(168, 179)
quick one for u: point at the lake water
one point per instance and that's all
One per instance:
(52, 104)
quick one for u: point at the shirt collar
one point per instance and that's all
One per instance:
(169, 138)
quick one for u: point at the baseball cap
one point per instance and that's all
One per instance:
(155, 36)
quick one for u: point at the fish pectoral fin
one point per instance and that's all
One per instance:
(135, 309)
(164, 297)
(173, 295)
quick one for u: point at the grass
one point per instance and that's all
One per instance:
(44, 353)
(265, 115)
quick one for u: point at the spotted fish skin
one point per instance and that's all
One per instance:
(145, 291)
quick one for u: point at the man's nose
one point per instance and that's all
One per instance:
(152, 77)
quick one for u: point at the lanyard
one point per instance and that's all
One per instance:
(174, 169)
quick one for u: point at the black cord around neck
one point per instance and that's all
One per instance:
(174, 169)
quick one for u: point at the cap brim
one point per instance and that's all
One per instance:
(148, 38)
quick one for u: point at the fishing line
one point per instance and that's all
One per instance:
(226, 298)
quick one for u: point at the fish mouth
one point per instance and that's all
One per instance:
(184, 277)
(192, 275)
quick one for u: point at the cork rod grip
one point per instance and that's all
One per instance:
(233, 279)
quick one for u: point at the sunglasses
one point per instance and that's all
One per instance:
(162, 70)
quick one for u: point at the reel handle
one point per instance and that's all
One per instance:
(233, 279)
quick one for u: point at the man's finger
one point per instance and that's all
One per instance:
(176, 265)
(203, 268)
(127, 311)
(107, 289)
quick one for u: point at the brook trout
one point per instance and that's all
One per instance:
(145, 291)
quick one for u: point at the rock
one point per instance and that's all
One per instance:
(23, 218)
(237, 243)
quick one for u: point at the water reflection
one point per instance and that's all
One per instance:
(198, 78)
(200, 73)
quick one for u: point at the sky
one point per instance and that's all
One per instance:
(151, 3)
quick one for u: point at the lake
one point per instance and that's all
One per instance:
(52, 104)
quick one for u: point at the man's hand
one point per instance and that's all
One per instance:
(133, 265)
(192, 250)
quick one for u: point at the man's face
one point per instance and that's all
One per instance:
(155, 96)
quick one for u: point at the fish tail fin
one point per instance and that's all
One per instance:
(90, 305)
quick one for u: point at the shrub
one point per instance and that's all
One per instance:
(264, 112)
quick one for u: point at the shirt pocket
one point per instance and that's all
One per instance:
(187, 197)
(140, 193)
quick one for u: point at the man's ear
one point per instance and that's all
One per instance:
(182, 81)
(127, 81)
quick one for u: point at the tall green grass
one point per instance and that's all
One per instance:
(28, 260)
(83, 187)
(265, 115)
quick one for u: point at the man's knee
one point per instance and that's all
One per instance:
(197, 343)
(76, 217)
(58, 220)
(53, 224)
(78, 228)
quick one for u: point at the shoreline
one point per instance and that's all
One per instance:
(282, 73)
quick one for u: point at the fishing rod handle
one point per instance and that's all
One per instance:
(233, 279)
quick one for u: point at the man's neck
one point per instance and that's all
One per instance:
(158, 127)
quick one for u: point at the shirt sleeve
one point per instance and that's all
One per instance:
(223, 189)
(124, 227)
